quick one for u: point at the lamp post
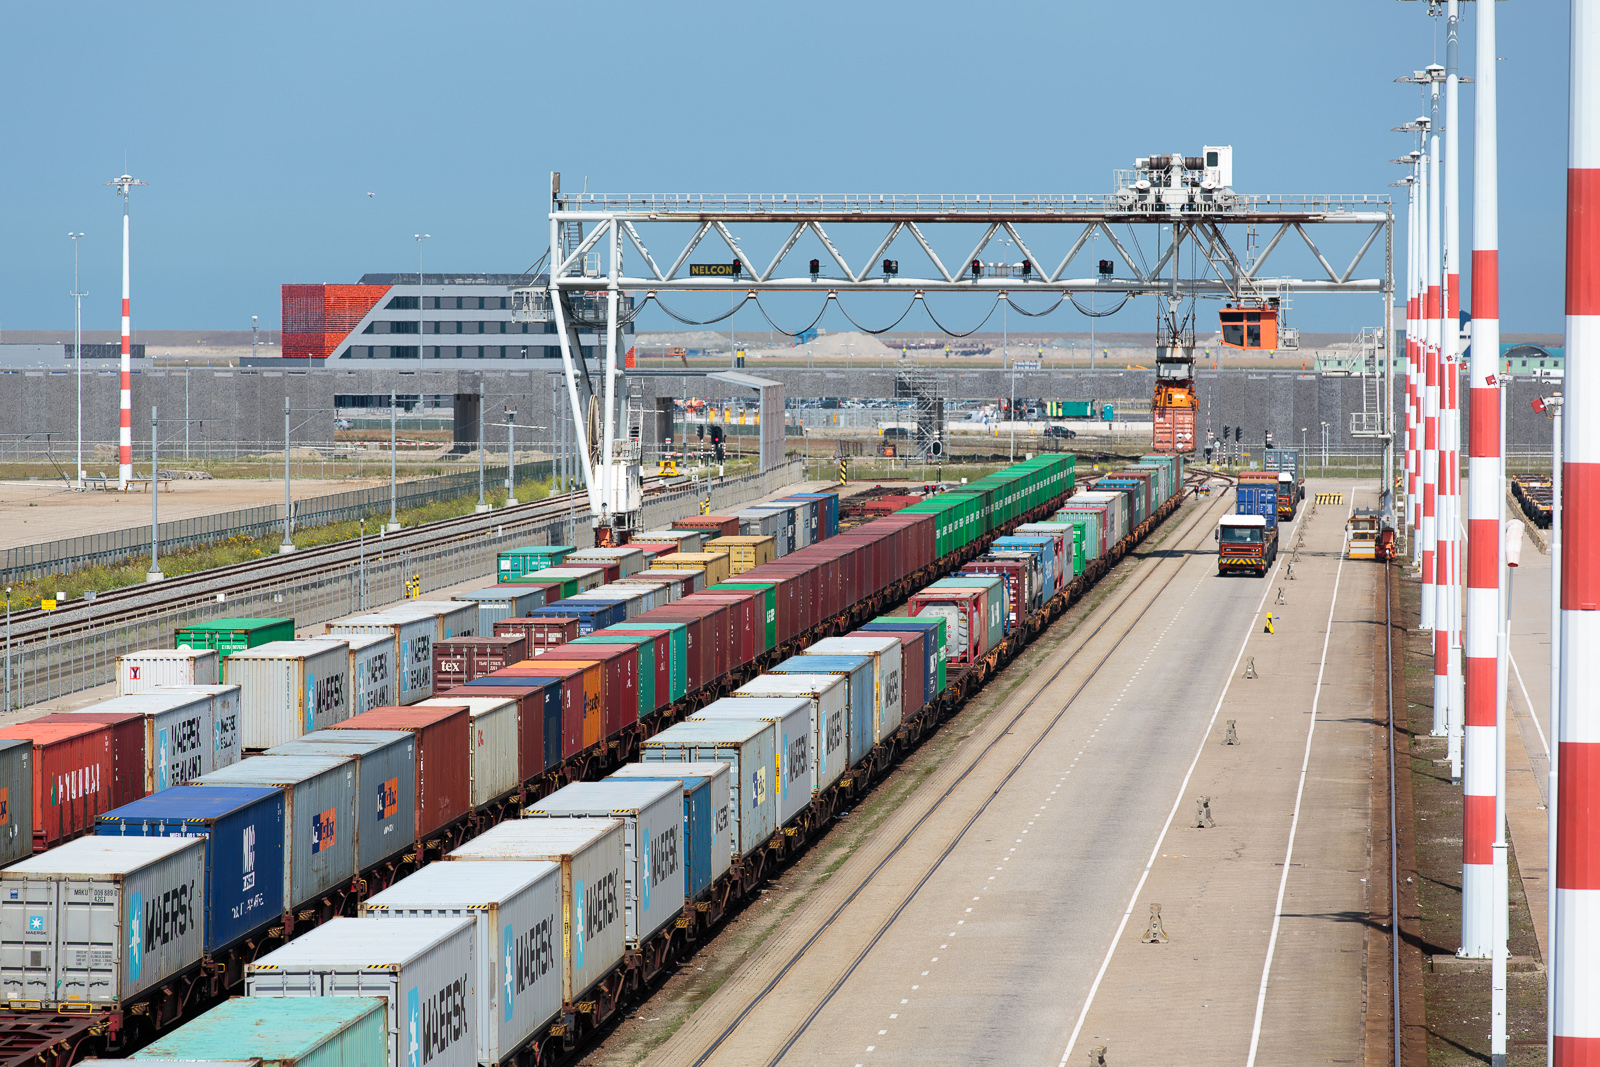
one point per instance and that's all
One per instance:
(394, 518)
(77, 346)
(511, 459)
(8, 648)
(288, 539)
(255, 329)
(483, 505)
(421, 237)
(154, 573)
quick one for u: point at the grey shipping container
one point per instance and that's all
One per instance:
(16, 800)
(100, 920)
(277, 1032)
(319, 818)
(496, 744)
(373, 670)
(590, 852)
(385, 786)
(630, 560)
(225, 717)
(454, 618)
(138, 671)
(179, 734)
(887, 655)
(496, 604)
(721, 804)
(516, 912)
(829, 696)
(791, 718)
(425, 968)
(750, 749)
(411, 635)
(653, 814)
(289, 688)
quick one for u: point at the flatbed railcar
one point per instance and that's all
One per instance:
(54, 1036)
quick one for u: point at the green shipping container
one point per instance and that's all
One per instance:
(515, 562)
(677, 648)
(283, 1031)
(770, 605)
(649, 702)
(569, 584)
(944, 641)
(230, 635)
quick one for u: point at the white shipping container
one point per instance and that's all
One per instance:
(138, 671)
(793, 768)
(101, 919)
(425, 968)
(411, 635)
(289, 688)
(372, 671)
(686, 540)
(630, 559)
(495, 744)
(666, 591)
(455, 618)
(887, 655)
(225, 713)
(516, 912)
(653, 893)
(179, 734)
(591, 853)
(829, 695)
(721, 802)
(750, 750)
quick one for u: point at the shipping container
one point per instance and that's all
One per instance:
(652, 813)
(426, 969)
(180, 734)
(243, 831)
(567, 582)
(829, 512)
(714, 525)
(974, 609)
(100, 920)
(516, 562)
(289, 688)
(688, 580)
(73, 768)
(228, 636)
(655, 649)
(501, 602)
(137, 671)
(934, 647)
(749, 747)
(771, 520)
(686, 540)
(829, 698)
(590, 573)
(887, 667)
(496, 744)
(385, 787)
(714, 564)
(319, 818)
(707, 816)
(1021, 576)
(1042, 545)
(582, 696)
(128, 755)
(745, 553)
(515, 908)
(374, 669)
(459, 660)
(793, 771)
(617, 679)
(541, 632)
(538, 717)
(590, 852)
(916, 668)
(16, 800)
(592, 615)
(859, 673)
(444, 759)
(455, 619)
(807, 518)
(672, 642)
(277, 1032)
(630, 558)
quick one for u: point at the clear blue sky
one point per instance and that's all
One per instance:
(261, 128)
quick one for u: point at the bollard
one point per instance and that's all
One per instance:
(1280, 595)
(1268, 628)
(1250, 668)
(1232, 736)
(1202, 814)
(1154, 934)
(1097, 1056)
(1288, 571)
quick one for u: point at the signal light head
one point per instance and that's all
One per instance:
(816, 267)
(1027, 268)
(891, 266)
(1106, 267)
(977, 268)
(738, 267)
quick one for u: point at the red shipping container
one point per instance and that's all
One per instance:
(619, 688)
(784, 596)
(970, 604)
(724, 525)
(714, 631)
(543, 632)
(529, 696)
(698, 663)
(127, 748)
(444, 758)
(73, 768)
(461, 659)
(794, 579)
(742, 615)
(660, 649)
(574, 700)
(1013, 573)
(612, 569)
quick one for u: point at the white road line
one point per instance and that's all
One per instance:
(1531, 713)
(1177, 801)
(1299, 793)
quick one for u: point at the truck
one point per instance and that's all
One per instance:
(1246, 543)
(1291, 478)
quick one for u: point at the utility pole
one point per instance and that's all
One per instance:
(288, 541)
(421, 324)
(394, 518)
(77, 347)
(483, 444)
(255, 329)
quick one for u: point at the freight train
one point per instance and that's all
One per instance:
(773, 700)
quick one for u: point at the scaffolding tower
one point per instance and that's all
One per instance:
(926, 391)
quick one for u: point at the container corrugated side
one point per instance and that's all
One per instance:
(16, 801)
(861, 685)
(653, 892)
(373, 670)
(412, 634)
(425, 968)
(278, 1032)
(793, 769)
(516, 913)
(713, 826)
(138, 671)
(319, 822)
(289, 688)
(385, 787)
(454, 618)
(591, 853)
(829, 698)
(225, 705)
(750, 750)
(242, 827)
(179, 734)
(100, 920)
(495, 744)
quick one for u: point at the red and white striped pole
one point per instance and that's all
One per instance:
(1450, 398)
(125, 405)
(1480, 924)
(1576, 1026)
(1413, 364)
(1430, 399)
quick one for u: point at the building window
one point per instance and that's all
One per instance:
(372, 327)
(403, 352)
(402, 303)
(404, 326)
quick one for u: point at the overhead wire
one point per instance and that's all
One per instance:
(794, 333)
(886, 329)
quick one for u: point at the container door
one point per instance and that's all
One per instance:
(27, 940)
(89, 935)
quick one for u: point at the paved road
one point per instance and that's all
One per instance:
(975, 927)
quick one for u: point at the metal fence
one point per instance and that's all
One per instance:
(44, 668)
(115, 546)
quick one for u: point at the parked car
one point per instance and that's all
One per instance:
(1060, 431)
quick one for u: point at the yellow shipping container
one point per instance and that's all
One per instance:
(714, 564)
(745, 553)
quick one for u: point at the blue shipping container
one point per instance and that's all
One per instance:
(592, 615)
(858, 669)
(1045, 549)
(830, 511)
(1254, 499)
(243, 828)
(698, 827)
(931, 647)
